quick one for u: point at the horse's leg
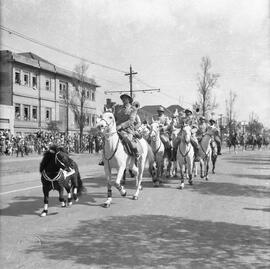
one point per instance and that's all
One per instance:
(61, 196)
(189, 169)
(206, 168)
(108, 202)
(68, 189)
(118, 186)
(202, 168)
(214, 158)
(123, 180)
(181, 168)
(138, 176)
(74, 187)
(46, 189)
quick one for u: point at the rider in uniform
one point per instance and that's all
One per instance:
(216, 136)
(188, 119)
(125, 119)
(163, 125)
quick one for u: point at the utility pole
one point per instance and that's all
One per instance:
(130, 74)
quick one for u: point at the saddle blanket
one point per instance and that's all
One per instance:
(67, 174)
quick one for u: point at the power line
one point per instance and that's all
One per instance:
(67, 68)
(10, 31)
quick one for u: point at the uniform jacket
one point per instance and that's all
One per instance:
(125, 117)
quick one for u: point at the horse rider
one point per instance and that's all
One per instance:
(125, 118)
(163, 125)
(217, 139)
(188, 119)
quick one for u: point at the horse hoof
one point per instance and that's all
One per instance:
(190, 182)
(206, 178)
(69, 203)
(77, 200)
(63, 204)
(213, 172)
(124, 194)
(141, 188)
(44, 213)
(135, 197)
(106, 205)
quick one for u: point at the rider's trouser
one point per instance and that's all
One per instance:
(166, 141)
(218, 141)
(129, 140)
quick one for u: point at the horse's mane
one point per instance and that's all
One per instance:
(47, 156)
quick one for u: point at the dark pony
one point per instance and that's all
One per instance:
(53, 168)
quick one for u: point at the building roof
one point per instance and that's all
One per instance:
(34, 57)
(152, 110)
(173, 108)
(31, 59)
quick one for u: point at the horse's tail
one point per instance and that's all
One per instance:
(80, 186)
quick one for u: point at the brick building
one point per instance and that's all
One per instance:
(34, 92)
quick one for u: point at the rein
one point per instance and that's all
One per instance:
(108, 159)
(52, 180)
(154, 140)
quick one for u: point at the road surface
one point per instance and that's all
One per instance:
(222, 223)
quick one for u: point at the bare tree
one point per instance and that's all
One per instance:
(206, 82)
(77, 102)
(230, 111)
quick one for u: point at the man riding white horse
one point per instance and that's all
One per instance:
(125, 119)
(188, 119)
(163, 125)
(217, 139)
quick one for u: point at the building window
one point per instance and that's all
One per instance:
(93, 96)
(48, 114)
(26, 112)
(34, 81)
(26, 79)
(48, 84)
(17, 111)
(88, 120)
(93, 120)
(34, 113)
(17, 77)
(63, 89)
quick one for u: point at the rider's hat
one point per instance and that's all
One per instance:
(126, 96)
(161, 109)
(188, 111)
(211, 120)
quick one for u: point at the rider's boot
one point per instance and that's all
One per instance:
(218, 149)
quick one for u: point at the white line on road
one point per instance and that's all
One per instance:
(25, 189)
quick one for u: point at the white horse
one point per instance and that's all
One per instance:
(115, 156)
(158, 149)
(175, 139)
(185, 156)
(205, 152)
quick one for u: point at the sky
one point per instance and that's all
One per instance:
(164, 41)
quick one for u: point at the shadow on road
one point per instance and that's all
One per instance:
(248, 176)
(231, 189)
(258, 209)
(157, 241)
(33, 205)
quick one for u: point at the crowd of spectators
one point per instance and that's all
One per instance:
(37, 143)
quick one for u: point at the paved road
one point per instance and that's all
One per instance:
(223, 223)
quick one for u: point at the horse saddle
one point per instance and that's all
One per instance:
(131, 146)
